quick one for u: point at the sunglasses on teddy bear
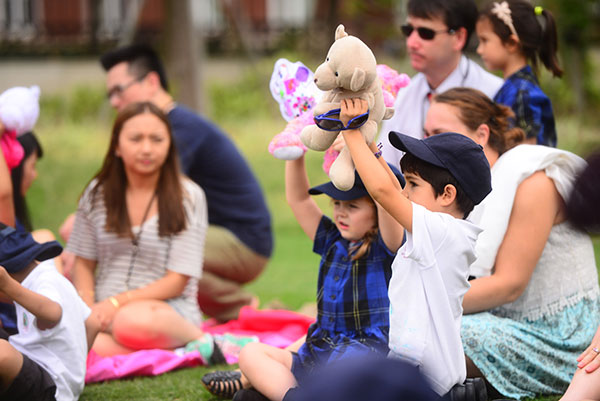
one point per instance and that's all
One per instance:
(330, 121)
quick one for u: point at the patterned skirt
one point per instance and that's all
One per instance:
(530, 358)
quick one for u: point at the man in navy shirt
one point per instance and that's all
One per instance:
(239, 239)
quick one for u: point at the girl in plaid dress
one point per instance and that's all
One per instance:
(357, 248)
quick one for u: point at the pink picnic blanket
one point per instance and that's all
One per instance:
(279, 328)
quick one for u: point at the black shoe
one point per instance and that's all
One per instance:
(249, 394)
(473, 389)
(223, 383)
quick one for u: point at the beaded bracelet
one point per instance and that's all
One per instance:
(379, 152)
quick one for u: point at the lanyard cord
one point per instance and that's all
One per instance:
(135, 241)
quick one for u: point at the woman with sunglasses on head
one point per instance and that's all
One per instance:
(533, 306)
(138, 237)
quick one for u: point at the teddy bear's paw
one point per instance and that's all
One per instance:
(288, 152)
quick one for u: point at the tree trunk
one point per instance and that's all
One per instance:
(182, 50)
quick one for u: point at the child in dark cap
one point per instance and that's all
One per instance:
(46, 359)
(446, 175)
(357, 247)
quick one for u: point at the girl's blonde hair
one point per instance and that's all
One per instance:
(475, 108)
(362, 248)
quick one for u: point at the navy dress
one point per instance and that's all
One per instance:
(352, 301)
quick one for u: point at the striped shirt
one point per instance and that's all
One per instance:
(115, 273)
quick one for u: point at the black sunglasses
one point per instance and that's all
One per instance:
(424, 33)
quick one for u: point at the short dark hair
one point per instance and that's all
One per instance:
(142, 59)
(438, 178)
(455, 13)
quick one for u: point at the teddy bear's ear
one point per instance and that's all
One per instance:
(340, 32)
(358, 79)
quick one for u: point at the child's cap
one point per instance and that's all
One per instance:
(458, 154)
(356, 192)
(18, 249)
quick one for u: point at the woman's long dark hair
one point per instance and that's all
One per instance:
(113, 181)
(30, 145)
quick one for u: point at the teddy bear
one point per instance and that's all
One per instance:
(19, 111)
(349, 71)
(292, 86)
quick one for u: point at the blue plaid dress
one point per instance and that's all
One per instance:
(352, 300)
(533, 109)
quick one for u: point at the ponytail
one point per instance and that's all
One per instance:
(549, 45)
(362, 248)
(534, 27)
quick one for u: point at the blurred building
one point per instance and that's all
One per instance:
(254, 24)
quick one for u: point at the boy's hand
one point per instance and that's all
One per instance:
(351, 108)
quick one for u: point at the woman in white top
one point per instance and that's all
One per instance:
(533, 305)
(139, 239)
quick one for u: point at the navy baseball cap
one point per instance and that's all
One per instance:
(458, 154)
(18, 249)
(356, 192)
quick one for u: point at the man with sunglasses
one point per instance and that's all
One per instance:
(436, 32)
(239, 238)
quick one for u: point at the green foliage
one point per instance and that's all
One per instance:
(248, 97)
(83, 103)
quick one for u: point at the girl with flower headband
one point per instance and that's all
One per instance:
(513, 33)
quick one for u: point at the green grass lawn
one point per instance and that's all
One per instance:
(74, 148)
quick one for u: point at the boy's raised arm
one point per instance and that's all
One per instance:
(47, 312)
(373, 174)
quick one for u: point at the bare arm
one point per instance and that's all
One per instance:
(83, 278)
(305, 209)
(391, 231)
(536, 209)
(7, 209)
(92, 328)
(47, 312)
(374, 173)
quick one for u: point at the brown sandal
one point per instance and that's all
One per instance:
(223, 383)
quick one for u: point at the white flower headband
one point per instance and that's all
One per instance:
(502, 11)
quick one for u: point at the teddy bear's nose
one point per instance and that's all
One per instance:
(315, 80)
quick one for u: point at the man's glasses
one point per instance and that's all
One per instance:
(424, 33)
(330, 121)
(118, 90)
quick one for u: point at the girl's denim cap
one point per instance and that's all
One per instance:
(356, 192)
(458, 154)
(18, 249)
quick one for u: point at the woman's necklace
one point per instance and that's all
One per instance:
(135, 241)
